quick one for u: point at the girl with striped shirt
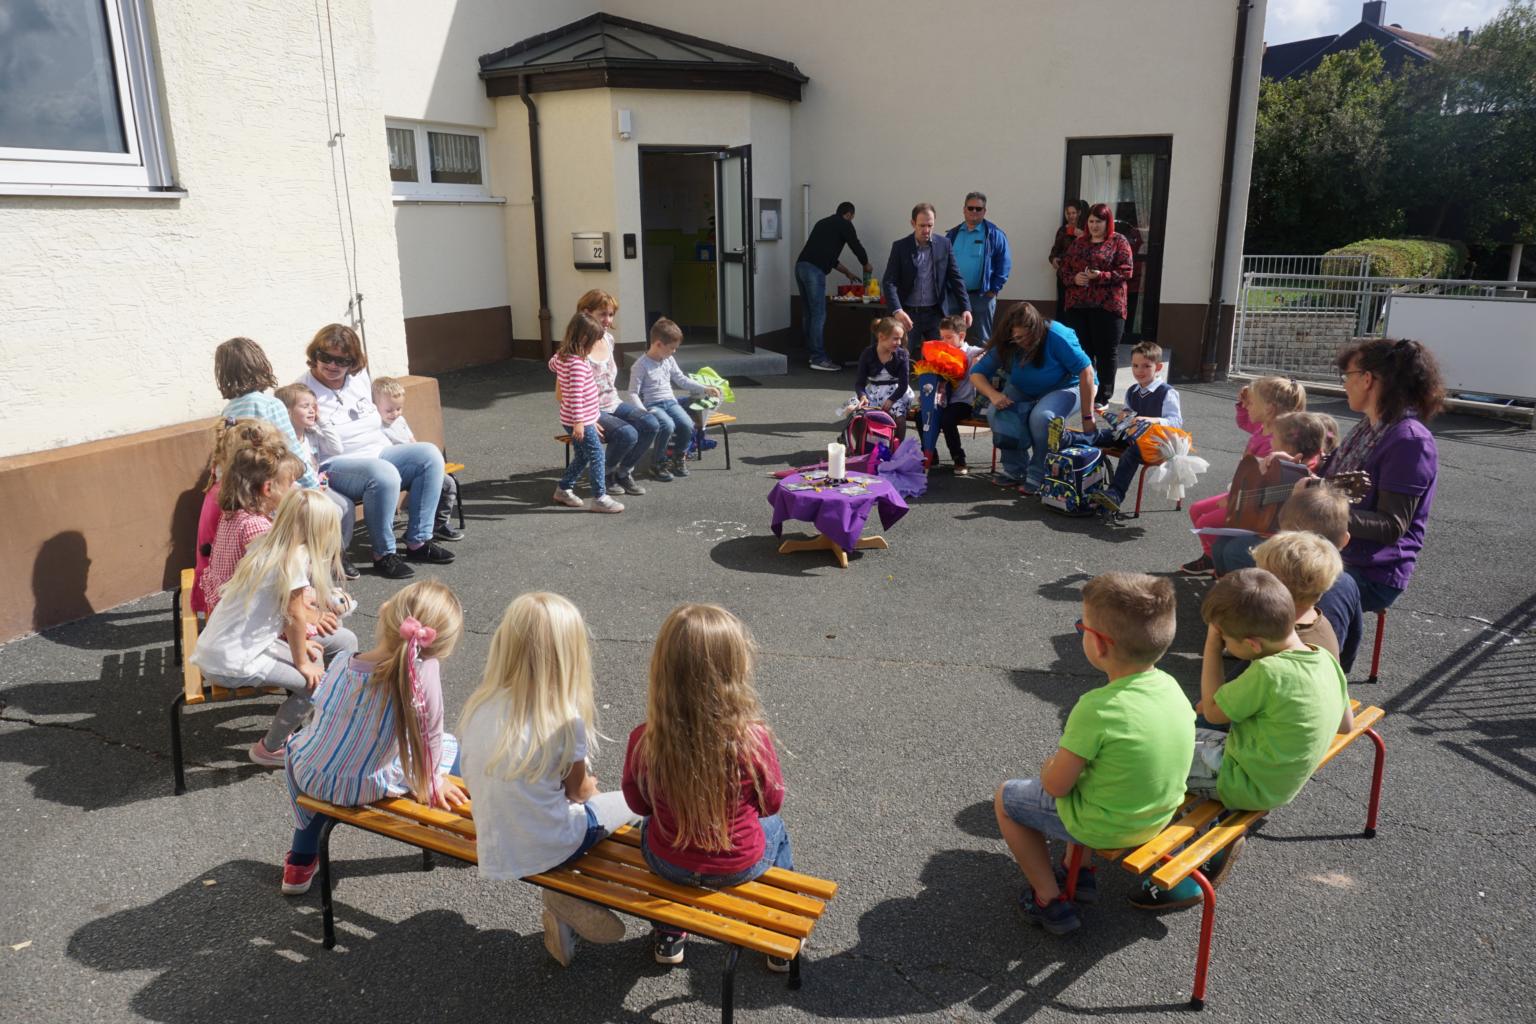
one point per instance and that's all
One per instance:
(577, 392)
(378, 726)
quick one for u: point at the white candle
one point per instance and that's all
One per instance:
(837, 465)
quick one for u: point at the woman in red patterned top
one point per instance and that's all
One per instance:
(1095, 270)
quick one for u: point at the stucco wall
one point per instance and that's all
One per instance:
(452, 257)
(110, 308)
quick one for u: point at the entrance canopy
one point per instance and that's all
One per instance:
(605, 51)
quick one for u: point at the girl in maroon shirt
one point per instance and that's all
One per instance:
(702, 768)
(1073, 215)
(1094, 272)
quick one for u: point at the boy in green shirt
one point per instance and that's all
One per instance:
(1118, 775)
(1283, 710)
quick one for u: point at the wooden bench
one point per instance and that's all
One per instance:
(194, 690)
(716, 418)
(772, 915)
(1141, 482)
(1202, 828)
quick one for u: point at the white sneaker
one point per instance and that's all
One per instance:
(567, 497)
(604, 504)
(590, 921)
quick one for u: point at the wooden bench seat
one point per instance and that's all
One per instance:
(716, 418)
(1202, 827)
(772, 915)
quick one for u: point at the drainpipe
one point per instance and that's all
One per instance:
(546, 335)
(1208, 343)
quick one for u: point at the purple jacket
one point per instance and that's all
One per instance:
(1404, 461)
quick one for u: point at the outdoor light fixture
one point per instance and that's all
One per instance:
(626, 124)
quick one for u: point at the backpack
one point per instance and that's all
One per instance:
(1070, 476)
(869, 427)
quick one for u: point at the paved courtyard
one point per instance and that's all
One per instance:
(902, 690)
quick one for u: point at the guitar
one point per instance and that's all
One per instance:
(1257, 493)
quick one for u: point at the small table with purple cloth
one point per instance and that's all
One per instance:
(838, 517)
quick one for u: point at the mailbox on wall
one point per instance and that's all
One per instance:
(589, 249)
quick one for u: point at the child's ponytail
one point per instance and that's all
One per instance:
(422, 621)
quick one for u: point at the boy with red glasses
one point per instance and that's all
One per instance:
(1118, 775)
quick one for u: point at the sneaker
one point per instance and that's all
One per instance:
(559, 939)
(431, 552)
(267, 758)
(670, 947)
(605, 504)
(393, 567)
(1155, 898)
(826, 365)
(614, 487)
(348, 569)
(1106, 498)
(961, 470)
(660, 472)
(777, 964)
(567, 497)
(1087, 883)
(1053, 432)
(444, 531)
(1202, 566)
(1219, 867)
(680, 466)
(296, 877)
(629, 483)
(1057, 917)
(592, 922)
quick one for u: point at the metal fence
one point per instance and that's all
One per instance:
(1294, 324)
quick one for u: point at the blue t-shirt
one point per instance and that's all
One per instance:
(1064, 360)
(970, 253)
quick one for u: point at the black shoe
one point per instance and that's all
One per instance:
(670, 947)
(1087, 884)
(430, 552)
(348, 569)
(680, 466)
(447, 532)
(1202, 566)
(393, 567)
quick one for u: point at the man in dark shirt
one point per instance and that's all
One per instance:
(812, 266)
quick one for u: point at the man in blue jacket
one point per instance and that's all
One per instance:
(981, 253)
(921, 284)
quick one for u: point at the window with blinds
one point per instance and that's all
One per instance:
(402, 154)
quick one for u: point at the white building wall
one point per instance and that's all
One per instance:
(452, 257)
(110, 309)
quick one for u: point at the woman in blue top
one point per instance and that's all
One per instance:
(1048, 375)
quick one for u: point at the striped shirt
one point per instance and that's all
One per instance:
(263, 406)
(231, 540)
(578, 389)
(347, 754)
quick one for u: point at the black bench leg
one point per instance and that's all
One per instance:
(794, 969)
(458, 501)
(725, 434)
(176, 763)
(176, 625)
(327, 911)
(728, 987)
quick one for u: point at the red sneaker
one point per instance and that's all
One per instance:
(296, 877)
(930, 459)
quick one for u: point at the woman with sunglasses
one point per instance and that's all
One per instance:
(360, 460)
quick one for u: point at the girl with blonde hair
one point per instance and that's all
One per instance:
(528, 732)
(378, 726)
(702, 766)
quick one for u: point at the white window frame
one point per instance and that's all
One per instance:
(426, 189)
(145, 167)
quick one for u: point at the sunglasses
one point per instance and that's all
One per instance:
(975, 209)
(1104, 639)
(326, 357)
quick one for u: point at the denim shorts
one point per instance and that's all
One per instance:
(596, 833)
(1027, 803)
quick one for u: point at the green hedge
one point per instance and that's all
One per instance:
(1402, 257)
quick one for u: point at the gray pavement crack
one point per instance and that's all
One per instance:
(7, 715)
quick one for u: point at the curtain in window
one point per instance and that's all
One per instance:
(1101, 179)
(402, 154)
(1143, 166)
(455, 158)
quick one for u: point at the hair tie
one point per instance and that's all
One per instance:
(230, 421)
(411, 629)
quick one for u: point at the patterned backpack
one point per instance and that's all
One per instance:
(1070, 476)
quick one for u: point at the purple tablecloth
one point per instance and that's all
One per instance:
(837, 516)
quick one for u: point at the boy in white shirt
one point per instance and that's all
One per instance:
(389, 398)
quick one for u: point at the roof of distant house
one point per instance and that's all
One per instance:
(1398, 46)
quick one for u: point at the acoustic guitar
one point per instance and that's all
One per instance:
(1257, 493)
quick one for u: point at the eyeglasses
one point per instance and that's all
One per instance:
(326, 357)
(1344, 377)
(1108, 641)
(975, 209)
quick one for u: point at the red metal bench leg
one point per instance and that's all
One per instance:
(1381, 631)
(1376, 774)
(1207, 925)
(1074, 865)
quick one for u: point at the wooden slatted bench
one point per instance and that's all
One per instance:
(716, 418)
(194, 690)
(772, 915)
(1203, 827)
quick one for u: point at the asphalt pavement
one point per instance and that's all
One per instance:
(902, 690)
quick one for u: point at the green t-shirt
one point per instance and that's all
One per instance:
(1285, 710)
(1137, 734)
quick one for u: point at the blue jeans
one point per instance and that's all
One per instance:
(982, 311)
(671, 413)
(588, 456)
(630, 431)
(1104, 437)
(1020, 431)
(813, 307)
(1233, 553)
(1027, 803)
(1374, 597)
(776, 854)
(377, 483)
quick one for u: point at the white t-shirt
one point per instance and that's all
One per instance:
(233, 647)
(349, 424)
(522, 827)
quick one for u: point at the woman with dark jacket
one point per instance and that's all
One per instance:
(1072, 217)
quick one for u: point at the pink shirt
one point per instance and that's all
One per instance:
(207, 531)
(578, 389)
(1260, 443)
(236, 531)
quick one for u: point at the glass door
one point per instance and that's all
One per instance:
(1130, 175)
(734, 253)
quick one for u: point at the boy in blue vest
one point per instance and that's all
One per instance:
(1147, 401)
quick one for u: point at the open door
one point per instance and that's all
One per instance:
(734, 253)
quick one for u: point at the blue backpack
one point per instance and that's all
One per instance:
(1070, 476)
